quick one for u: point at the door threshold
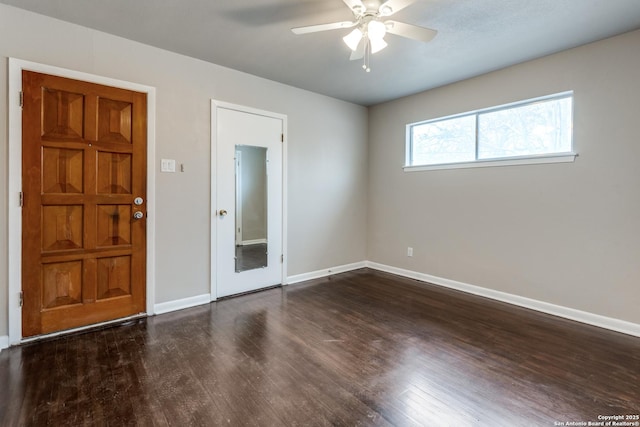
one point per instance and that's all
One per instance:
(255, 291)
(89, 328)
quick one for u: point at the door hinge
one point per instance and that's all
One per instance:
(21, 98)
(21, 200)
(21, 298)
(281, 135)
(282, 258)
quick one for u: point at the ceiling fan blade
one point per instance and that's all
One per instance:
(410, 31)
(355, 4)
(323, 27)
(359, 52)
(390, 7)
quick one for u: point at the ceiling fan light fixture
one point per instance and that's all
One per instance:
(376, 30)
(353, 39)
(377, 45)
(370, 26)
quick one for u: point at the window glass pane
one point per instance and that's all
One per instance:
(540, 128)
(445, 141)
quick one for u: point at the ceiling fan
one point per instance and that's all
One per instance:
(371, 26)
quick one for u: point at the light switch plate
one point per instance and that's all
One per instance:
(167, 165)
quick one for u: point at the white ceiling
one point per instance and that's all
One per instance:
(474, 37)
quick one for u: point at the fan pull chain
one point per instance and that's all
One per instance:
(367, 50)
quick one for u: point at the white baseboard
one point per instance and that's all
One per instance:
(326, 272)
(541, 306)
(544, 307)
(166, 307)
(254, 242)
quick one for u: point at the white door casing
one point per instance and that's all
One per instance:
(238, 198)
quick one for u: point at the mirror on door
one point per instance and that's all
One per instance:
(251, 207)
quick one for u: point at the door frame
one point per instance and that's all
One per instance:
(239, 231)
(15, 184)
(215, 105)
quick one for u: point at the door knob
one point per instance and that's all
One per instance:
(222, 212)
(138, 215)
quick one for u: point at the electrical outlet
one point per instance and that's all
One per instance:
(409, 251)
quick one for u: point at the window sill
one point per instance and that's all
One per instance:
(533, 160)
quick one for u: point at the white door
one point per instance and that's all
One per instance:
(256, 262)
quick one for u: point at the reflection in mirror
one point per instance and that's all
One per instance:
(251, 207)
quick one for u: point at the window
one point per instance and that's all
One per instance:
(534, 131)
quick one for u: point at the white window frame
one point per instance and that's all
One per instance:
(564, 157)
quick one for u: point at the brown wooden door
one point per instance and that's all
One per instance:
(84, 163)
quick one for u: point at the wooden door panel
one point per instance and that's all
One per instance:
(114, 121)
(114, 277)
(113, 225)
(61, 318)
(62, 170)
(114, 173)
(63, 114)
(84, 162)
(62, 227)
(61, 284)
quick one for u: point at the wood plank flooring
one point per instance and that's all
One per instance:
(359, 348)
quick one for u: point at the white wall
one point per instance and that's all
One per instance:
(327, 211)
(566, 234)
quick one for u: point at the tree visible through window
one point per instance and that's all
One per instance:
(531, 128)
(444, 141)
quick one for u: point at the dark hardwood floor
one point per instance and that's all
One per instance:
(359, 348)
